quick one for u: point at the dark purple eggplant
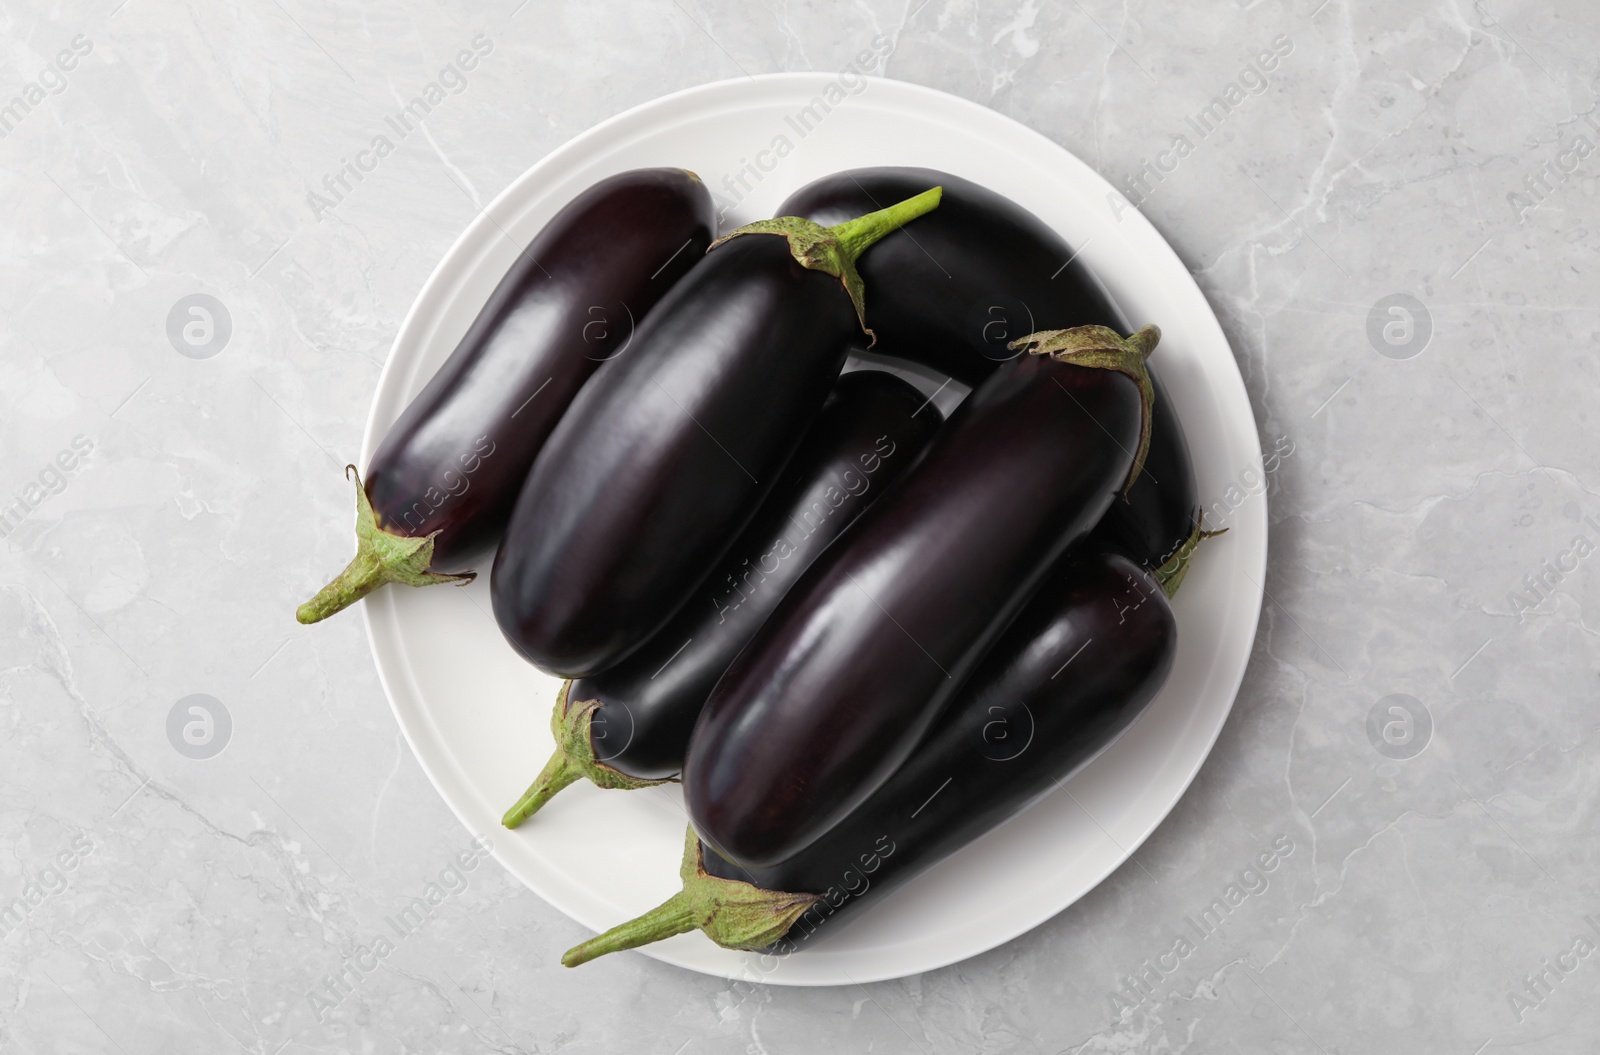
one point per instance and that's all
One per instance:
(629, 726)
(952, 295)
(440, 487)
(1082, 661)
(1157, 523)
(956, 292)
(845, 677)
(668, 451)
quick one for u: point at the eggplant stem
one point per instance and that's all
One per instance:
(1102, 348)
(857, 235)
(559, 772)
(1170, 574)
(572, 726)
(676, 915)
(732, 913)
(360, 577)
(834, 250)
(381, 557)
(1172, 571)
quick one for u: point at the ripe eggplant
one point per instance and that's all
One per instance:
(629, 726)
(952, 294)
(1080, 663)
(845, 677)
(1157, 523)
(955, 292)
(668, 451)
(440, 487)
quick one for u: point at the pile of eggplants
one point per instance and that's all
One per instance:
(845, 677)
(629, 726)
(664, 455)
(955, 294)
(861, 634)
(1074, 670)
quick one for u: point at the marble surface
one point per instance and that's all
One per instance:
(1415, 737)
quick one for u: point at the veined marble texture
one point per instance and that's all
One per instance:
(1435, 501)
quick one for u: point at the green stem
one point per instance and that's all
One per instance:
(732, 913)
(360, 577)
(673, 916)
(1171, 574)
(559, 772)
(854, 236)
(833, 250)
(572, 726)
(381, 557)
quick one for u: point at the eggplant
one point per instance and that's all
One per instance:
(628, 727)
(845, 677)
(952, 294)
(1157, 523)
(957, 291)
(1082, 661)
(668, 451)
(441, 485)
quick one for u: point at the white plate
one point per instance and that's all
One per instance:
(477, 716)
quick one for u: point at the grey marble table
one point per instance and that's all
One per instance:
(1395, 219)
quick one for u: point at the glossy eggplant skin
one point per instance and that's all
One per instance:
(1161, 511)
(979, 272)
(841, 682)
(871, 430)
(456, 458)
(1082, 661)
(665, 455)
(969, 278)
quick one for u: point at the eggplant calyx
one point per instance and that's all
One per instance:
(1170, 574)
(1102, 348)
(732, 913)
(381, 557)
(571, 725)
(834, 250)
